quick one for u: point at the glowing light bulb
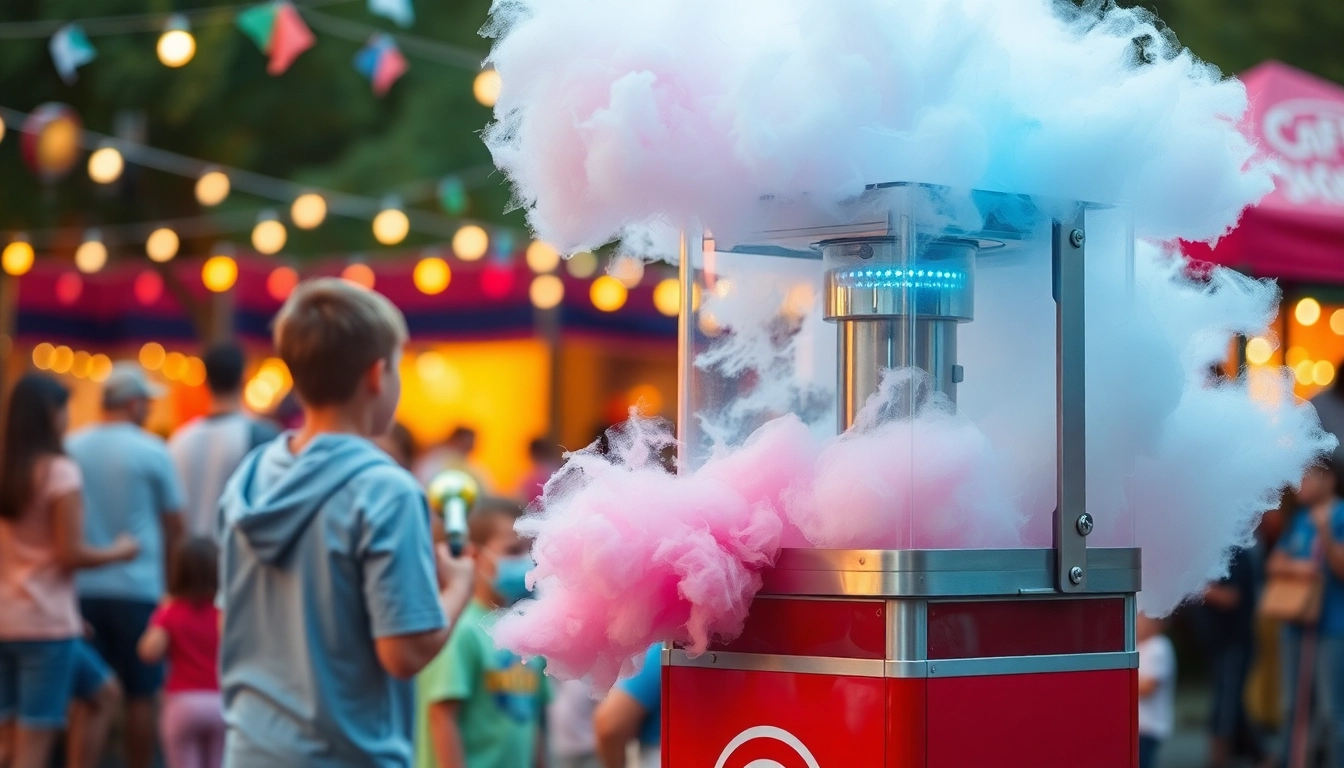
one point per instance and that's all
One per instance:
(176, 45)
(581, 265)
(546, 291)
(486, 87)
(106, 165)
(470, 242)
(1307, 311)
(607, 293)
(91, 255)
(1323, 372)
(667, 296)
(359, 274)
(541, 257)
(17, 258)
(431, 275)
(269, 235)
(308, 211)
(152, 355)
(281, 282)
(391, 226)
(162, 245)
(212, 188)
(1258, 351)
(219, 273)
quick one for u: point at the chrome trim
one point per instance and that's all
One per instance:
(908, 668)
(907, 629)
(1022, 665)
(1069, 250)
(763, 662)
(1131, 620)
(942, 572)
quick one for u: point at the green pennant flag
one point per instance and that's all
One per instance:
(258, 23)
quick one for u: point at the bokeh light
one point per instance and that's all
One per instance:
(280, 283)
(69, 286)
(391, 226)
(100, 367)
(470, 242)
(219, 273)
(162, 245)
(1337, 322)
(1307, 311)
(259, 395)
(359, 274)
(148, 287)
(308, 211)
(174, 366)
(152, 355)
(194, 376)
(79, 367)
(1258, 350)
(1304, 372)
(106, 165)
(431, 275)
(486, 87)
(541, 257)
(42, 356)
(628, 270)
(496, 281)
(212, 188)
(546, 291)
(581, 265)
(17, 258)
(1294, 355)
(607, 293)
(176, 47)
(90, 256)
(62, 359)
(269, 236)
(1323, 372)
(646, 399)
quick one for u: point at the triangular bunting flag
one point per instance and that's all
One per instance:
(399, 11)
(381, 63)
(257, 22)
(70, 50)
(289, 38)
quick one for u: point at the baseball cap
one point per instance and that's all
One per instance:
(127, 382)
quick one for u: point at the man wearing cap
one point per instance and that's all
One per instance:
(130, 486)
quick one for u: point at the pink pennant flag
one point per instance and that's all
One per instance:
(289, 38)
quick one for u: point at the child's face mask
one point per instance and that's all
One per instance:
(510, 581)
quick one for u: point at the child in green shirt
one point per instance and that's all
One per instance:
(480, 706)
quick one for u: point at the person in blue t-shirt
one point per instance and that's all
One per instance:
(632, 710)
(1314, 539)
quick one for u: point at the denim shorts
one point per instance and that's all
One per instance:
(117, 627)
(91, 672)
(36, 679)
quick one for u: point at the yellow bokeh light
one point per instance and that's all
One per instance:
(2, 129)
(391, 226)
(194, 376)
(432, 275)
(308, 211)
(470, 242)
(1304, 372)
(219, 273)
(360, 274)
(628, 270)
(1307, 311)
(486, 87)
(1337, 322)
(432, 366)
(42, 356)
(1295, 355)
(100, 367)
(17, 258)
(259, 395)
(174, 366)
(106, 165)
(667, 296)
(90, 256)
(646, 398)
(212, 188)
(546, 291)
(269, 236)
(607, 293)
(542, 258)
(274, 370)
(162, 245)
(79, 367)
(151, 356)
(1259, 350)
(176, 47)
(62, 359)
(1323, 372)
(581, 265)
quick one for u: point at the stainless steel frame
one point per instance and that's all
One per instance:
(1072, 522)
(905, 668)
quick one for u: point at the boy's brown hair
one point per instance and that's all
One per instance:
(491, 512)
(330, 332)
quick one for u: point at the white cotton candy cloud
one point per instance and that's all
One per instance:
(616, 114)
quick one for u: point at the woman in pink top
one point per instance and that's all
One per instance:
(41, 546)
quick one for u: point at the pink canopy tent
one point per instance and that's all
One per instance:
(1297, 232)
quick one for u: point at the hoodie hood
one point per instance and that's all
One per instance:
(276, 494)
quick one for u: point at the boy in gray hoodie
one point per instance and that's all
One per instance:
(332, 592)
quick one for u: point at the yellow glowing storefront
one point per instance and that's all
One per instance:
(1307, 338)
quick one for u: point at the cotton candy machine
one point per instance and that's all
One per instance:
(969, 613)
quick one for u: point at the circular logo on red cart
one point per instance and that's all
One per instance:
(765, 746)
